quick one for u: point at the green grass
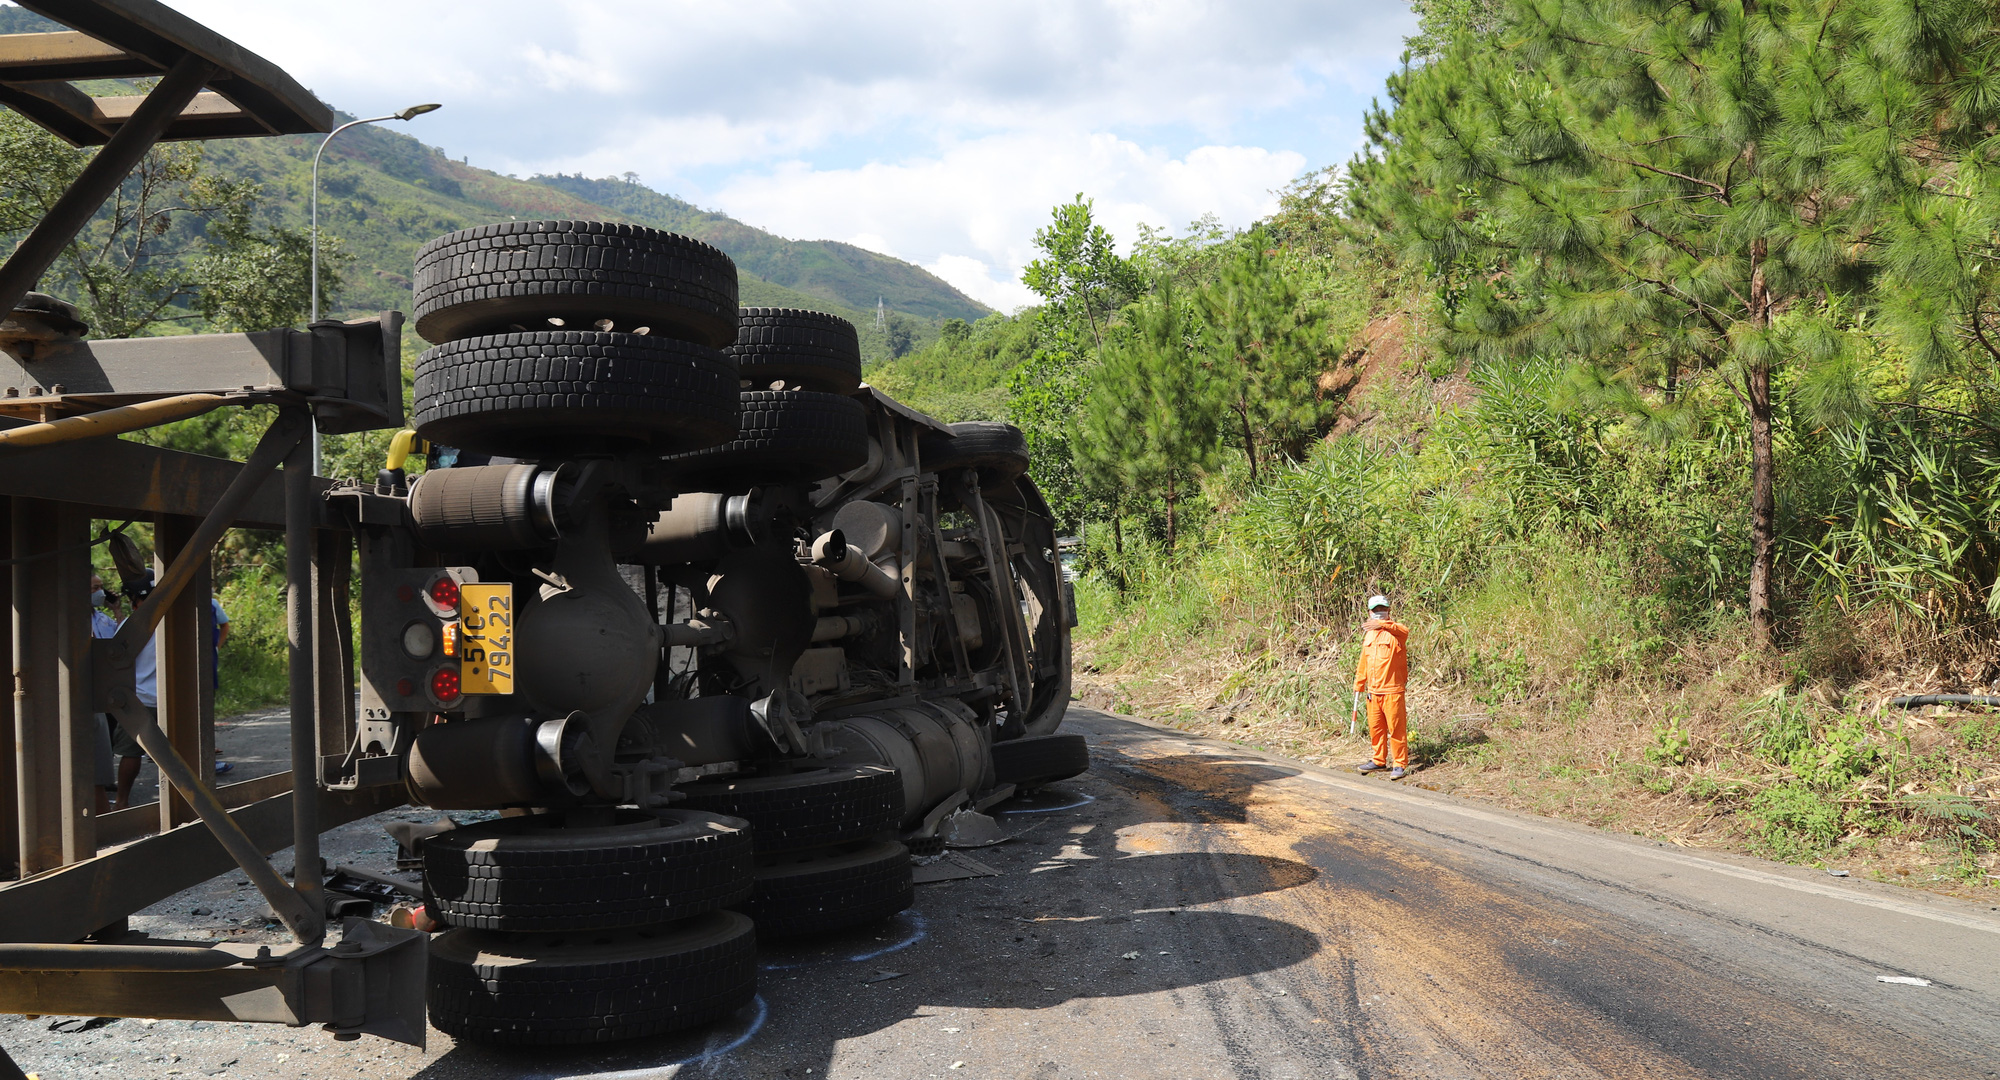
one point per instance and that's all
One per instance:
(253, 673)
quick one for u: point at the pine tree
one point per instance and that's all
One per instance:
(1264, 341)
(1697, 189)
(1149, 425)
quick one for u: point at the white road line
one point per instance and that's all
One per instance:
(1381, 791)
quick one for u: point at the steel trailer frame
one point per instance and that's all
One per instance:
(64, 942)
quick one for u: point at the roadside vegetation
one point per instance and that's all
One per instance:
(1646, 358)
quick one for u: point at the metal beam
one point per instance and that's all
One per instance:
(63, 112)
(372, 983)
(231, 994)
(163, 36)
(73, 55)
(72, 902)
(352, 372)
(119, 480)
(77, 732)
(100, 178)
(301, 564)
(124, 826)
(9, 833)
(334, 640)
(82, 120)
(186, 695)
(37, 700)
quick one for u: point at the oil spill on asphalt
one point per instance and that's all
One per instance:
(1442, 968)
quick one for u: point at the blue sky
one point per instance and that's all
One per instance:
(934, 132)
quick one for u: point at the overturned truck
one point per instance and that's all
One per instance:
(726, 637)
(730, 636)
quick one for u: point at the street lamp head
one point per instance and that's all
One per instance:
(417, 110)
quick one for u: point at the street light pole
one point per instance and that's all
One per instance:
(400, 114)
(313, 200)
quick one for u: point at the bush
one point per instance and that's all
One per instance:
(1671, 745)
(1797, 823)
(253, 662)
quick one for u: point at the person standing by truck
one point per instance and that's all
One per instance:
(1383, 673)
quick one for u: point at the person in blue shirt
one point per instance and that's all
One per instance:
(221, 635)
(106, 781)
(146, 674)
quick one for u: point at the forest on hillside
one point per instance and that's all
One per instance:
(1646, 358)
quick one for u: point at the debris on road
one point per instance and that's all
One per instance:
(971, 829)
(1837, 873)
(1902, 980)
(884, 976)
(1133, 955)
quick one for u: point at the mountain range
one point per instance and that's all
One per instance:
(384, 194)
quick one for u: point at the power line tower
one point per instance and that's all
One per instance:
(881, 314)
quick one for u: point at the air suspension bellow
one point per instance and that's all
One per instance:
(485, 508)
(701, 526)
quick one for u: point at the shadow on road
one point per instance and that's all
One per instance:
(1072, 921)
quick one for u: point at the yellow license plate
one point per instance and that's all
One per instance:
(486, 648)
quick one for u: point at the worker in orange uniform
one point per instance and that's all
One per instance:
(1382, 674)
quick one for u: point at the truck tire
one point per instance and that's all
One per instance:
(593, 986)
(524, 395)
(999, 451)
(481, 281)
(828, 889)
(1040, 759)
(783, 436)
(808, 808)
(524, 874)
(807, 350)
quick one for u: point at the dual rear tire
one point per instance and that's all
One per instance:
(826, 855)
(561, 337)
(579, 935)
(576, 935)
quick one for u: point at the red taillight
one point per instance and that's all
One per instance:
(444, 683)
(444, 593)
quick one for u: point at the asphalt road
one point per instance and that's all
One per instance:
(1193, 910)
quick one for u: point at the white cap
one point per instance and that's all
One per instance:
(1377, 601)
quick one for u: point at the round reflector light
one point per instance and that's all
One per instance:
(444, 684)
(444, 593)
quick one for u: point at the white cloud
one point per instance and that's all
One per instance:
(969, 215)
(939, 133)
(737, 82)
(975, 279)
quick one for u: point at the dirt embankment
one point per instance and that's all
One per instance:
(1595, 758)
